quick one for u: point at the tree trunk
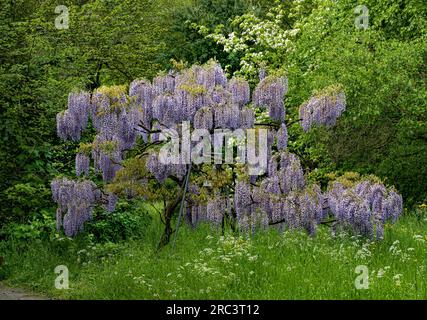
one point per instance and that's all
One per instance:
(169, 212)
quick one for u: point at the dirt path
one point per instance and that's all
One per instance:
(17, 294)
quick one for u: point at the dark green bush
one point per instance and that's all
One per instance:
(129, 221)
(39, 228)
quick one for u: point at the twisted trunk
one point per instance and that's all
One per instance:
(168, 215)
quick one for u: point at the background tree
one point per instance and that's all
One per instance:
(107, 42)
(321, 46)
(195, 48)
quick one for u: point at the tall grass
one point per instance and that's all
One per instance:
(208, 265)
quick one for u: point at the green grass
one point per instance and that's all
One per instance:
(207, 265)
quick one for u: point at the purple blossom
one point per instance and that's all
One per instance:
(108, 163)
(364, 206)
(203, 96)
(282, 137)
(220, 76)
(233, 116)
(291, 175)
(220, 95)
(247, 118)
(240, 91)
(82, 164)
(277, 212)
(242, 198)
(126, 129)
(203, 119)
(322, 110)
(164, 84)
(79, 107)
(76, 199)
(68, 126)
(205, 77)
(111, 202)
(142, 92)
(215, 210)
(272, 166)
(271, 185)
(157, 169)
(164, 110)
(220, 116)
(262, 74)
(270, 93)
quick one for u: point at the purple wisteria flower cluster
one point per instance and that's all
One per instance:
(75, 200)
(201, 95)
(269, 93)
(213, 211)
(71, 122)
(115, 120)
(365, 207)
(322, 109)
(82, 164)
(282, 198)
(161, 171)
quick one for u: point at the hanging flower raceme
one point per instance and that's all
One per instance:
(211, 211)
(75, 200)
(270, 93)
(298, 208)
(111, 202)
(259, 207)
(116, 118)
(161, 171)
(215, 209)
(141, 93)
(242, 198)
(282, 198)
(262, 74)
(156, 168)
(220, 96)
(220, 76)
(365, 207)
(79, 106)
(323, 109)
(282, 137)
(107, 158)
(248, 205)
(82, 164)
(164, 84)
(240, 91)
(205, 77)
(291, 177)
(247, 118)
(67, 127)
(304, 209)
(165, 110)
(71, 122)
(203, 119)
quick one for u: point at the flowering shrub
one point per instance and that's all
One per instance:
(202, 97)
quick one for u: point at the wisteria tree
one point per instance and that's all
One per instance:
(208, 150)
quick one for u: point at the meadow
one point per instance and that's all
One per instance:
(206, 264)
